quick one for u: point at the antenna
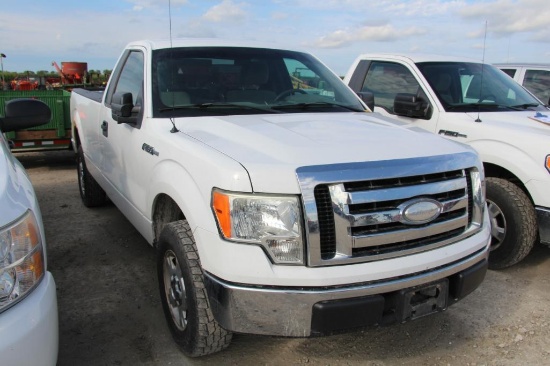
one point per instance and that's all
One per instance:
(174, 128)
(170, 20)
(482, 67)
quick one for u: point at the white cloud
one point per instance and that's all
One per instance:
(195, 29)
(378, 33)
(279, 15)
(506, 17)
(396, 8)
(226, 11)
(140, 5)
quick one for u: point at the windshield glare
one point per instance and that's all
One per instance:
(218, 80)
(468, 87)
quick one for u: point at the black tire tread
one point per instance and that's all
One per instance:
(210, 337)
(527, 223)
(94, 195)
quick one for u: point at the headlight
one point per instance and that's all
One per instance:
(274, 222)
(21, 259)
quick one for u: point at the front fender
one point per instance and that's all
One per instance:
(190, 187)
(511, 158)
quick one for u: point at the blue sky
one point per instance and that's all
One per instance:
(33, 33)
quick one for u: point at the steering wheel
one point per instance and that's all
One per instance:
(288, 92)
(487, 97)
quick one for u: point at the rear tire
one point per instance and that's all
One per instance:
(513, 223)
(91, 193)
(184, 298)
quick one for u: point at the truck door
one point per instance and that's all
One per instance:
(122, 141)
(386, 80)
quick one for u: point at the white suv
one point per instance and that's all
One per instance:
(28, 302)
(533, 77)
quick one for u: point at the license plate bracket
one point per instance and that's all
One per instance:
(423, 300)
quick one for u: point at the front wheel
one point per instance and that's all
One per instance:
(184, 298)
(513, 223)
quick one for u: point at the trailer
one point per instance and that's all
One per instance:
(55, 135)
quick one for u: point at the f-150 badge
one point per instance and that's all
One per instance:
(150, 149)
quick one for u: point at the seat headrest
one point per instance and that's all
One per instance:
(256, 73)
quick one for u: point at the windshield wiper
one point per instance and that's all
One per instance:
(315, 104)
(482, 106)
(526, 105)
(218, 105)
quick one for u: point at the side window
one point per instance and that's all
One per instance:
(510, 72)
(130, 79)
(538, 83)
(385, 80)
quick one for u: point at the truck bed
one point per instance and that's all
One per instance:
(95, 95)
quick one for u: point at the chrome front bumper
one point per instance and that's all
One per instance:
(291, 311)
(543, 218)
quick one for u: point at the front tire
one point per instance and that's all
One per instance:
(513, 223)
(91, 193)
(184, 298)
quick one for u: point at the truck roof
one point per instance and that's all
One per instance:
(417, 57)
(522, 64)
(201, 42)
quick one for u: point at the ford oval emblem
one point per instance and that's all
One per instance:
(419, 211)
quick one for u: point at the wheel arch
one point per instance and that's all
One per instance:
(75, 136)
(165, 210)
(174, 195)
(497, 171)
(76, 139)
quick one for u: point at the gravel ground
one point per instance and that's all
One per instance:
(110, 312)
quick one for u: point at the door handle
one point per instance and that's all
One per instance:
(105, 128)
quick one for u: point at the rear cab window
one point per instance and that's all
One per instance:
(538, 83)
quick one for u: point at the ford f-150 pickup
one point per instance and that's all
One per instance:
(277, 202)
(474, 103)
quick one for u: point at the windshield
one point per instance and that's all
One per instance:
(206, 81)
(473, 87)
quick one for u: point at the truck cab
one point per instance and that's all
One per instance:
(533, 77)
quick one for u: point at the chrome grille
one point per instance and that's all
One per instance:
(362, 217)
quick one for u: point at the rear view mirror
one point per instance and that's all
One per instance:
(411, 105)
(368, 99)
(123, 109)
(24, 113)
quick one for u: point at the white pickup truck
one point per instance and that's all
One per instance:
(277, 202)
(477, 104)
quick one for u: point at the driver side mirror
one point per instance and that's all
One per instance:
(368, 99)
(411, 105)
(123, 109)
(24, 113)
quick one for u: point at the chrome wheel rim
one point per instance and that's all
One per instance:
(174, 290)
(498, 225)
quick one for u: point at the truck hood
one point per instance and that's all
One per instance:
(271, 147)
(516, 122)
